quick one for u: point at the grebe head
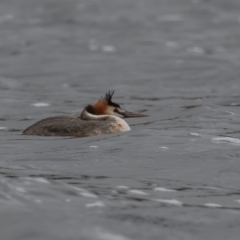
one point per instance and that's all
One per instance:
(105, 106)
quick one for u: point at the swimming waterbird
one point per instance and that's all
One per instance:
(102, 117)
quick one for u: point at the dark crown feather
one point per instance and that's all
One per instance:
(108, 98)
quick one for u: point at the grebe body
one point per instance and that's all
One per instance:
(102, 117)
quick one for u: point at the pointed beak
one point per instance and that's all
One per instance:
(133, 115)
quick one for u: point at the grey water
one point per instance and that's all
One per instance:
(176, 174)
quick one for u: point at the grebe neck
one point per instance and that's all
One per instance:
(88, 113)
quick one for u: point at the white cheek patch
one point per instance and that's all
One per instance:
(110, 111)
(118, 115)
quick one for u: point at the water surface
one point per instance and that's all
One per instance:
(176, 174)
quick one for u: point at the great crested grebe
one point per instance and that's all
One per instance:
(102, 117)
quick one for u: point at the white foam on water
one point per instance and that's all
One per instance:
(38, 201)
(163, 148)
(37, 179)
(83, 192)
(214, 205)
(104, 235)
(87, 194)
(231, 113)
(122, 187)
(194, 134)
(161, 189)
(40, 104)
(93, 146)
(138, 192)
(213, 188)
(226, 140)
(169, 201)
(21, 190)
(3, 128)
(108, 48)
(77, 188)
(95, 204)
(68, 200)
(198, 50)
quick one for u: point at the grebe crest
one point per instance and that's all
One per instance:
(101, 117)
